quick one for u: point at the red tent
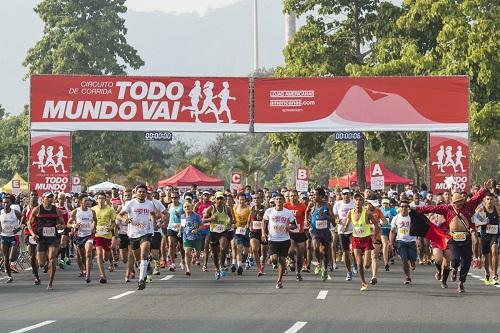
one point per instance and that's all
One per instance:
(390, 178)
(190, 176)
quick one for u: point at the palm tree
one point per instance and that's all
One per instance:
(148, 171)
(249, 166)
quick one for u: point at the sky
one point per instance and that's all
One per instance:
(200, 7)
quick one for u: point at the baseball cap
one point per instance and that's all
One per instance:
(346, 191)
(48, 194)
(206, 192)
(219, 195)
(386, 201)
(374, 202)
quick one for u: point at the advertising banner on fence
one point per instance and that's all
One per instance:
(139, 103)
(361, 104)
(50, 162)
(449, 161)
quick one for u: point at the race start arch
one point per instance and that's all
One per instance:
(64, 103)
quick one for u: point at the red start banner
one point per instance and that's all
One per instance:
(50, 162)
(361, 104)
(449, 161)
(137, 103)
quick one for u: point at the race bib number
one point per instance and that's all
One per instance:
(241, 231)
(218, 228)
(492, 229)
(175, 226)
(102, 230)
(358, 232)
(279, 228)
(321, 224)
(404, 231)
(183, 222)
(459, 236)
(49, 231)
(257, 225)
(85, 227)
(60, 231)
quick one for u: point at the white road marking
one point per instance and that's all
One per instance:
(329, 277)
(168, 277)
(480, 278)
(28, 269)
(322, 294)
(29, 328)
(123, 294)
(296, 327)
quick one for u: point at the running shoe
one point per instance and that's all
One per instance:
(13, 268)
(198, 263)
(317, 270)
(364, 287)
(188, 273)
(217, 275)
(46, 268)
(181, 265)
(495, 280)
(460, 288)
(298, 277)
(407, 280)
(438, 276)
(61, 264)
(127, 280)
(324, 275)
(36, 281)
(260, 273)
(330, 267)
(453, 274)
(233, 268)
(205, 268)
(156, 271)
(279, 285)
(82, 274)
(349, 276)
(171, 267)
(111, 268)
(240, 270)
(87, 279)
(103, 280)
(67, 261)
(141, 285)
(223, 273)
(132, 274)
(9, 280)
(354, 269)
(387, 267)
(444, 285)
(149, 278)
(275, 266)
(487, 280)
(373, 281)
(251, 261)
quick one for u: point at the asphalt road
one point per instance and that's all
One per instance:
(248, 304)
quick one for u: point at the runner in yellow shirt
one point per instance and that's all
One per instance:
(106, 217)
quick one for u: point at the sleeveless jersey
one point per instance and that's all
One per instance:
(9, 223)
(360, 228)
(46, 222)
(85, 222)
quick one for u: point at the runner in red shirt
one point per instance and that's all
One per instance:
(298, 236)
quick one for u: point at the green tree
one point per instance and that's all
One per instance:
(148, 172)
(14, 153)
(82, 37)
(446, 37)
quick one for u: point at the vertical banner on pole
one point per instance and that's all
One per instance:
(377, 179)
(235, 181)
(449, 161)
(16, 186)
(302, 180)
(50, 161)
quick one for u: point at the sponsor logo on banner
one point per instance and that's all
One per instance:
(377, 179)
(76, 186)
(361, 103)
(449, 161)
(235, 181)
(302, 180)
(139, 103)
(50, 161)
(16, 186)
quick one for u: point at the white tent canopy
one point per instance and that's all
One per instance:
(105, 186)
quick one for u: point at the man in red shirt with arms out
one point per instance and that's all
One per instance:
(458, 216)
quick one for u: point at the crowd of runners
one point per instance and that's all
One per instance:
(252, 232)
